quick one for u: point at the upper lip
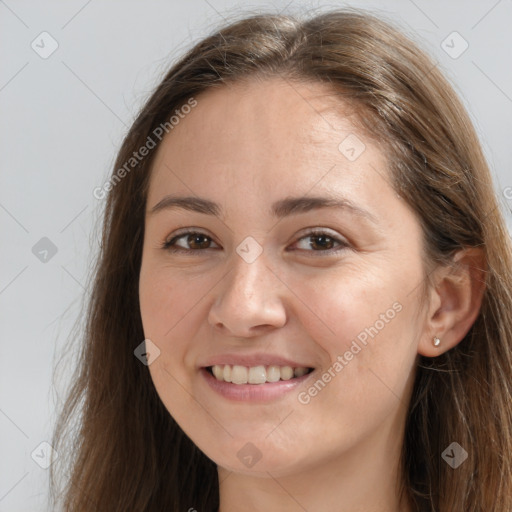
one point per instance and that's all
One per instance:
(253, 360)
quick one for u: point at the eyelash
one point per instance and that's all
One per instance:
(168, 245)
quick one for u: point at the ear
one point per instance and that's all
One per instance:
(455, 301)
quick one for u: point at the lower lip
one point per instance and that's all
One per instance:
(253, 392)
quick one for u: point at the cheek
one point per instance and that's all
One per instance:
(369, 374)
(169, 308)
(367, 328)
(166, 306)
(340, 306)
(173, 310)
(167, 299)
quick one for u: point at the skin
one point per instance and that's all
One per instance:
(244, 147)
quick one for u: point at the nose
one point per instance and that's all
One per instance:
(249, 301)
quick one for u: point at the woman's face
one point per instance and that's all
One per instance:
(253, 292)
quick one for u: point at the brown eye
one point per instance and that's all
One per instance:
(197, 241)
(320, 241)
(192, 241)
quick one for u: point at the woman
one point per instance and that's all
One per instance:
(303, 296)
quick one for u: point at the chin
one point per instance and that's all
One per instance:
(256, 459)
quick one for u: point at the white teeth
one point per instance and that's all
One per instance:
(238, 374)
(273, 373)
(218, 371)
(286, 372)
(256, 374)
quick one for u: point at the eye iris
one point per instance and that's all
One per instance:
(323, 239)
(193, 238)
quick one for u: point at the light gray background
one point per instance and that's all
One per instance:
(62, 121)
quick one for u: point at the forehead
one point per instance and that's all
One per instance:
(269, 137)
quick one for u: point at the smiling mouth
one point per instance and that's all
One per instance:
(236, 374)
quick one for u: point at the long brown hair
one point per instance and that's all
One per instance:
(121, 447)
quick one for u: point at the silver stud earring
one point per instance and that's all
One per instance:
(436, 341)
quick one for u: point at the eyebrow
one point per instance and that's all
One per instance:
(280, 209)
